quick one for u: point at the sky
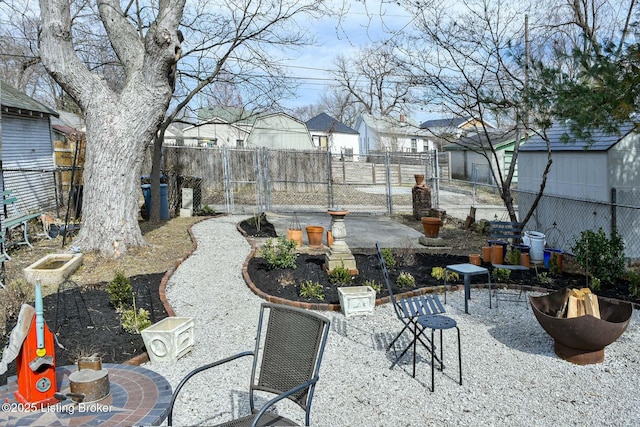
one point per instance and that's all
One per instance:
(364, 24)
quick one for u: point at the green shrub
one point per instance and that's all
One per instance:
(501, 275)
(634, 283)
(373, 285)
(340, 275)
(310, 289)
(405, 280)
(120, 290)
(279, 253)
(206, 211)
(600, 256)
(438, 274)
(544, 279)
(595, 284)
(513, 257)
(389, 259)
(135, 321)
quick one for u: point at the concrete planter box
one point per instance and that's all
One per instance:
(52, 269)
(169, 339)
(357, 300)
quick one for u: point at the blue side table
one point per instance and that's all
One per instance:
(466, 270)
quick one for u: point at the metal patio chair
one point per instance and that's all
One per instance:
(289, 352)
(408, 310)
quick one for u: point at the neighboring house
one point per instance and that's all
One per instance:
(279, 131)
(469, 163)
(330, 134)
(591, 184)
(453, 126)
(27, 149)
(69, 145)
(389, 134)
(228, 127)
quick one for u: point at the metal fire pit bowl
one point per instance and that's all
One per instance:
(581, 340)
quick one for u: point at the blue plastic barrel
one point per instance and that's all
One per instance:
(164, 200)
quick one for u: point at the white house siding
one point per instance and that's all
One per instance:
(215, 135)
(281, 132)
(27, 145)
(340, 143)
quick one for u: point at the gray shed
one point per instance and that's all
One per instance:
(27, 149)
(592, 183)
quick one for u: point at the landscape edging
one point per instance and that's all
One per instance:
(144, 357)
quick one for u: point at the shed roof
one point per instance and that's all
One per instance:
(326, 123)
(476, 140)
(561, 139)
(13, 98)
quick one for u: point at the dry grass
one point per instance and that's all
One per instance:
(168, 241)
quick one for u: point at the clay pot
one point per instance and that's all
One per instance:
(486, 253)
(431, 226)
(314, 235)
(525, 261)
(329, 238)
(419, 179)
(296, 235)
(496, 254)
(474, 259)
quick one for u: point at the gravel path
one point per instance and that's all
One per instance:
(510, 373)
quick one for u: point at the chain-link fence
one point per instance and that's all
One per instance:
(255, 180)
(562, 219)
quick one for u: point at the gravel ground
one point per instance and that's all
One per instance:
(510, 373)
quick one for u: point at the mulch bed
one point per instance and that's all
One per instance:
(85, 323)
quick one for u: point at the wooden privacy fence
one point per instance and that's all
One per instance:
(254, 180)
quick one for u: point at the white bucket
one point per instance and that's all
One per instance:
(536, 241)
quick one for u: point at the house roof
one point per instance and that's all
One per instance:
(477, 140)
(452, 122)
(561, 139)
(391, 126)
(325, 123)
(13, 98)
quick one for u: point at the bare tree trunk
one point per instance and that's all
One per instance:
(119, 124)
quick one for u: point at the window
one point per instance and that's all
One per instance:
(240, 143)
(414, 145)
(319, 141)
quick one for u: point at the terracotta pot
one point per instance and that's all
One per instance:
(496, 254)
(314, 235)
(431, 226)
(329, 238)
(296, 235)
(474, 259)
(419, 179)
(525, 261)
(486, 253)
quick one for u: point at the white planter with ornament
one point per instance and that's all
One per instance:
(357, 300)
(169, 339)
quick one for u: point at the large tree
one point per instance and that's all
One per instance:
(120, 122)
(591, 78)
(464, 59)
(130, 88)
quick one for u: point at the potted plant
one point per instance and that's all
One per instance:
(294, 232)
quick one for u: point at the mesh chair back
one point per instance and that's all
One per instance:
(292, 351)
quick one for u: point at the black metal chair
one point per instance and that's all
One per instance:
(408, 310)
(290, 353)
